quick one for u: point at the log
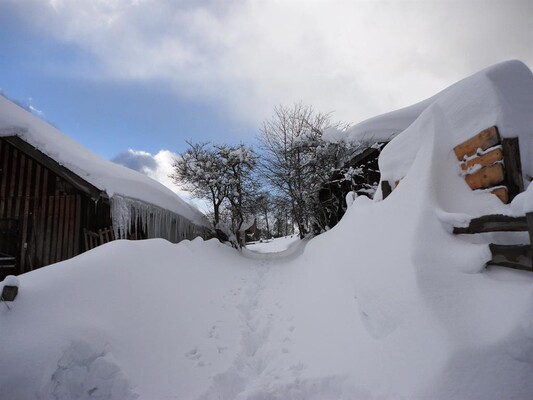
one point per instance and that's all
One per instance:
(483, 140)
(484, 160)
(494, 223)
(502, 194)
(511, 256)
(486, 177)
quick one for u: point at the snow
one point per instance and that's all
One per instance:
(275, 245)
(388, 304)
(103, 174)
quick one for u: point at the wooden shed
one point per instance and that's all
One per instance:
(48, 213)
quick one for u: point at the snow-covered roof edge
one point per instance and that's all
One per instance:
(384, 127)
(103, 174)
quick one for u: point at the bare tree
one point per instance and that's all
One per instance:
(197, 170)
(292, 159)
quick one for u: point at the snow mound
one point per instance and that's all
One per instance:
(388, 304)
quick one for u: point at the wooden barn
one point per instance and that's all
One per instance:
(58, 200)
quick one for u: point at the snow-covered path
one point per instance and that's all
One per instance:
(389, 304)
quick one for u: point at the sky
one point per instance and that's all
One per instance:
(132, 80)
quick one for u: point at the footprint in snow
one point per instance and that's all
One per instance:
(193, 354)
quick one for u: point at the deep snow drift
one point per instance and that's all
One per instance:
(388, 304)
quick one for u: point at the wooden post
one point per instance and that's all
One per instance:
(513, 167)
(9, 293)
(529, 219)
(385, 189)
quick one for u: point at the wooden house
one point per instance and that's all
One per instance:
(57, 199)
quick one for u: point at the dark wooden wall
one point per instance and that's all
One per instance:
(44, 213)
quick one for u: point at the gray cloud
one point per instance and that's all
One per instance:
(357, 58)
(140, 161)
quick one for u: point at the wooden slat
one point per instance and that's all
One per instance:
(484, 160)
(486, 177)
(14, 164)
(20, 184)
(483, 140)
(72, 215)
(511, 256)
(494, 223)
(513, 167)
(502, 194)
(55, 230)
(36, 183)
(3, 192)
(47, 247)
(25, 262)
(43, 218)
(77, 226)
(66, 229)
(60, 229)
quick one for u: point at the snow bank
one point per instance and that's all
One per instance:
(103, 174)
(386, 305)
(501, 95)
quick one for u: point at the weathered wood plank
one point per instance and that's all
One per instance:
(486, 177)
(55, 230)
(47, 248)
(12, 183)
(485, 139)
(4, 181)
(60, 229)
(494, 223)
(513, 167)
(25, 261)
(77, 226)
(502, 194)
(484, 160)
(386, 189)
(43, 217)
(20, 184)
(511, 256)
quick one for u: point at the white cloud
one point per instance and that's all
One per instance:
(158, 167)
(357, 58)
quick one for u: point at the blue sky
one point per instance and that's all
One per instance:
(107, 116)
(147, 75)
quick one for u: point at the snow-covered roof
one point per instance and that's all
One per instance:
(384, 127)
(105, 175)
(500, 95)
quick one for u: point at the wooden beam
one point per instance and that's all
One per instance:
(513, 167)
(484, 160)
(483, 140)
(512, 256)
(494, 223)
(486, 177)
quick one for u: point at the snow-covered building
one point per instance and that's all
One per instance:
(58, 199)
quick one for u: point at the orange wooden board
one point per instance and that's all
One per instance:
(483, 140)
(502, 194)
(484, 160)
(486, 177)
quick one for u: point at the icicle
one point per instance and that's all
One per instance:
(128, 214)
